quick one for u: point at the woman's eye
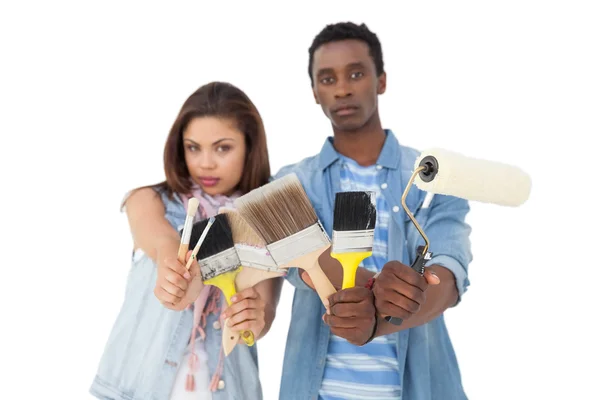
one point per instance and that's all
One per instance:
(223, 148)
(192, 148)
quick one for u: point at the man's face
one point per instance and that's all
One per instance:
(346, 83)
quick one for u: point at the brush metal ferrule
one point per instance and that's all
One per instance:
(218, 264)
(353, 241)
(292, 247)
(256, 257)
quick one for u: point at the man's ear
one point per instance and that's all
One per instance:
(381, 83)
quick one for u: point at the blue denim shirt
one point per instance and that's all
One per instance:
(148, 341)
(427, 362)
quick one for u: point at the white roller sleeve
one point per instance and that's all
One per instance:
(475, 179)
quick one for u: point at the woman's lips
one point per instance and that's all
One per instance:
(208, 181)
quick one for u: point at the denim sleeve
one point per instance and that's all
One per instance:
(448, 235)
(293, 277)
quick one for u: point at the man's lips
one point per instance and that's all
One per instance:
(345, 109)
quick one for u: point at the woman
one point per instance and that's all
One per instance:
(166, 342)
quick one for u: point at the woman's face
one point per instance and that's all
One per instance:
(215, 154)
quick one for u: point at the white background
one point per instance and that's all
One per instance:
(88, 92)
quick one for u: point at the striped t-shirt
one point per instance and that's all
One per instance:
(370, 371)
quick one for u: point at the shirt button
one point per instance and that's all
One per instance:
(221, 385)
(384, 185)
(379, 167)
(217, 325)
(396, 208)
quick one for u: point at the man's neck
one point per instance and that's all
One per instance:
(363, 145)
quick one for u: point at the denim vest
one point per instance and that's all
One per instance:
(148, 341)
(426, 358)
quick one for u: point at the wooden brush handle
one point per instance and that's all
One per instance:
(310, 263)
(249, 277)
(230, 338)
(246, 278)
(320, 281)
(183, 249)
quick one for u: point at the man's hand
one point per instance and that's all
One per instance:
(400, 291)
(351, 314)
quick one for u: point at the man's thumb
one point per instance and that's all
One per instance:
(431, 277)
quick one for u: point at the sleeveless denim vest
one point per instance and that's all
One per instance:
(147, 342)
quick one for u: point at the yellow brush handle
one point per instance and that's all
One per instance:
(350, 262)
(226, 282)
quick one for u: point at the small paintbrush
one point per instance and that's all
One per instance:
(281, 213)
(219, 263)
(354, 217)
(192, 208)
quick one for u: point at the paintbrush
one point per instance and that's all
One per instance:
(192, 208)
(257, 263)
(281, 213)
(354, 217)
(219, 264)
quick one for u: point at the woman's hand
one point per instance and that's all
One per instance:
(248, 311)
(176, 287)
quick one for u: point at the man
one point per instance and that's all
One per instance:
(348, 351)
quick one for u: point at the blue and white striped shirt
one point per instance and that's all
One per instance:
(370, 371)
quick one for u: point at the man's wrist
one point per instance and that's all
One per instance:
(374, 333)
(369, 285)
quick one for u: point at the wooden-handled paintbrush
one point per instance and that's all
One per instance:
(192, 208)
(281, 213)
(257, 263)
(354, 217)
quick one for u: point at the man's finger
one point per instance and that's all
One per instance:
(339, 322)
(405, 273)
(431, 277)
(399, 299)
(344, 310)
(351, 295)
(399, 293)
(348, 333)
(387, 308)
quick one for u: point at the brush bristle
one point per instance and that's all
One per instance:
(218, 239)
(354, 211)
(278, 209)
(241, 231)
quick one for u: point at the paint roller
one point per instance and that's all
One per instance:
(439, 171)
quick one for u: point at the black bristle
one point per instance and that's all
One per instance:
(218, 238)
(354, 211)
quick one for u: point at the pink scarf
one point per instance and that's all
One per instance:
(208, 300)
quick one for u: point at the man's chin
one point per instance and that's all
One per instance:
(348, 126)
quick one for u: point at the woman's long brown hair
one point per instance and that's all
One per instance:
(221, 100)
